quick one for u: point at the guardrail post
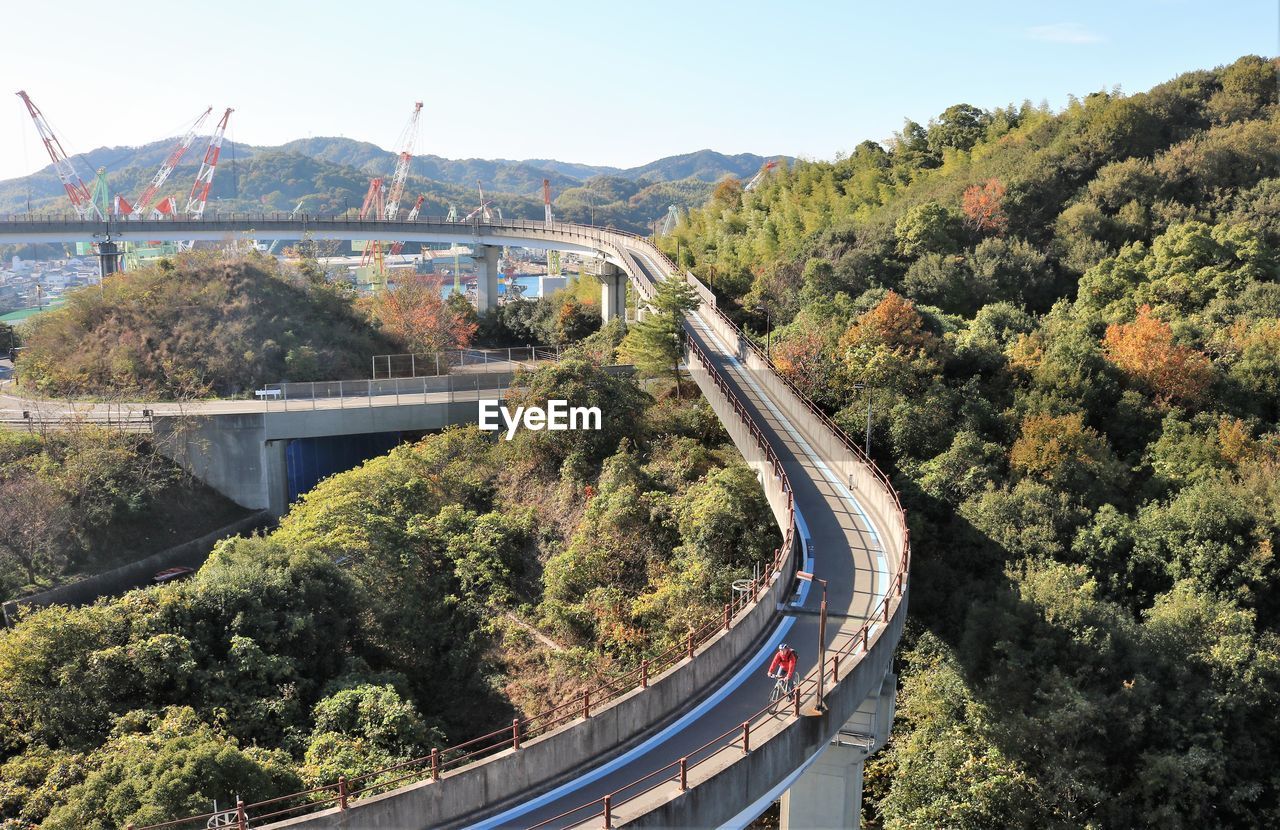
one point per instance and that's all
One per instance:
(746, 737)
(835, 669)
(795, 697)
(608, 812)
(586, 704)
(242, 821)
(689, 642)
(864, 639)
(515, 733)
(728, 615)
(684, 774)
(435, 764)
(644, 673)
(886, 611)
(342, 792)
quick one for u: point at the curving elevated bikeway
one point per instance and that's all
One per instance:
(693, 744)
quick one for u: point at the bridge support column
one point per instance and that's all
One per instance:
(486, 260)
(276, 469)
(829, 793)
(109, 255)
(613, 292)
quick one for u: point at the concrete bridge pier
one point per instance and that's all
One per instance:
(828, 794)
(486, 261)
(613, 292)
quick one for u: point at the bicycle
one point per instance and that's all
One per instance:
(781, 691)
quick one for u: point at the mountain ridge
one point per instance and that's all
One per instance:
(330, 175)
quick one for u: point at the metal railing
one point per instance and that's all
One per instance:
(38, 422)
(846, 657)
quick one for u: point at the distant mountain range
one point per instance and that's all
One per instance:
(330, 175)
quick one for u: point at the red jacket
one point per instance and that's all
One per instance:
(785, 660)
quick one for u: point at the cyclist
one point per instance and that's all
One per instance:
(784, 663)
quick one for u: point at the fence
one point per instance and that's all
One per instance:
(428, 364)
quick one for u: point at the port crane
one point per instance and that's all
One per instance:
(485, 214)
(144, 201)
(755, 180)
(81, 200)
(553, 257)
(272, 249)
(388, 198)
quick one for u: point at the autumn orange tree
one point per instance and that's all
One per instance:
(983, 206)
(1144, 350)
(1061, 450)
(415, 313)
(890, 345)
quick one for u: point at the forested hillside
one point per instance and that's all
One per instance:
(1069, 326)
(390, 613)
(85, 500)
(330, 176)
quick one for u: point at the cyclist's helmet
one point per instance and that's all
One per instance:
(783, 647)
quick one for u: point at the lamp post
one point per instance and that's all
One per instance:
(859, 385)
(805, 576)
(768, 329)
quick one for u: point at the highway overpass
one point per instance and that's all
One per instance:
(487, 239)
(687, 740)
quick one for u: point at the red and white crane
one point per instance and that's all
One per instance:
(199, 195)
(373, 207)
(407, 145)
(755, 180)
(81, 201)
(143, 203)
(397, 247)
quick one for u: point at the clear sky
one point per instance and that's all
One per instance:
(618, 83)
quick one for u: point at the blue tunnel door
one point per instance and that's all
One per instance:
(309, 460)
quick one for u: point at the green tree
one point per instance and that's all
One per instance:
(653, 344)
(926, 228)
(159, 765)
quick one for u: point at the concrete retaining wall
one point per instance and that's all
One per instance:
(189, 554)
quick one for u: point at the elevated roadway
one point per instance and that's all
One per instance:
(692, 744)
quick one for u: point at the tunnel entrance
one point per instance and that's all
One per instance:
(309, 460)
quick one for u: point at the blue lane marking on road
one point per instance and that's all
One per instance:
(644, 748)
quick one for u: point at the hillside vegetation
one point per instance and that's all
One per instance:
(202, 324)
(1068, 322)
(85, 500)
(377, 621)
